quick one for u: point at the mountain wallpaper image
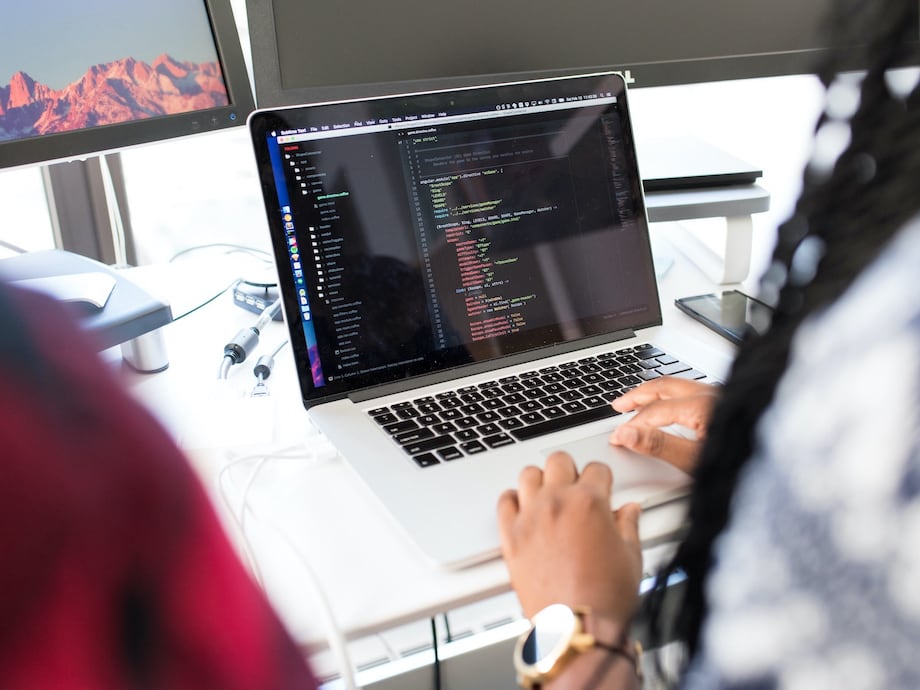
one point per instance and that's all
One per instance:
(109, 93)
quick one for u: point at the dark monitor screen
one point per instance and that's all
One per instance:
(311, 51)
(79, 78)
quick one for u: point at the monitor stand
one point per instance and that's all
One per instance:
(114, 309)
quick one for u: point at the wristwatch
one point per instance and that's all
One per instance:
(557, 635)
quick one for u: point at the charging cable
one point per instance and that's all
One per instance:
(244, 342)
(263, 369)
(335, 637)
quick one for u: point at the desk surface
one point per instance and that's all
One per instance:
(308, 512)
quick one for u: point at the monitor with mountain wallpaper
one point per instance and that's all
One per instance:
(78, 78)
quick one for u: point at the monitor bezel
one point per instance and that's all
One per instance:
(270, 92)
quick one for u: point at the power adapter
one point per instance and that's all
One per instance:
(256, 297)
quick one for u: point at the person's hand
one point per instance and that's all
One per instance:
(563, 545)
(660, 403)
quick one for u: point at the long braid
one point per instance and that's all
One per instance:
(845, 215)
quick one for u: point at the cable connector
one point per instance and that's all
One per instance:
(244, 342)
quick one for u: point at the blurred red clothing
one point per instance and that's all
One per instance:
(115, 570)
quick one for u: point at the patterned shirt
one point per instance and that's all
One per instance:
(817, 582)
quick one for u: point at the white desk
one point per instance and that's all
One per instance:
(313, 508)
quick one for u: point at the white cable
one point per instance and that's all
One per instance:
(225, 365)
(334, 635)
(239, 516)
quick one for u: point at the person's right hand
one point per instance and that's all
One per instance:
(660, 403)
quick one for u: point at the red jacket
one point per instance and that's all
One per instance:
(114, 570)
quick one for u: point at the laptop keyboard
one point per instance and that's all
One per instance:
(472, 419)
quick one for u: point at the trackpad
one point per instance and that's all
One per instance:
(636, 478)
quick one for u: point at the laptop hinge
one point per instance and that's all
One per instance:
(482, 367)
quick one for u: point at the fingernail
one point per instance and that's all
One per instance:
(626, 435)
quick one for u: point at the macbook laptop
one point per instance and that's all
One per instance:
(466, 275)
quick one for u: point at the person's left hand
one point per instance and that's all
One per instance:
(563, 545)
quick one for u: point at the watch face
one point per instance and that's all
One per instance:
(552, 630)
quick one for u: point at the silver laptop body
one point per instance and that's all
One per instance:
(455, 267)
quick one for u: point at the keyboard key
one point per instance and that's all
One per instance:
(691, 374)
(409, 437)
(427, 444)
(384, 419)
(498, 440)
(531, 418)
(673, 368)
(400, 427)
(649, 353)
(451, 453)
(378, 411)
(566, 422)
(473, 447)
(591, 390)
(426, 460)
(472, 408)
(466, 434)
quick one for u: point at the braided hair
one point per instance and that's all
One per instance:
(850, 206)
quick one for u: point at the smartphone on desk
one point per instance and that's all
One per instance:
(731, 313)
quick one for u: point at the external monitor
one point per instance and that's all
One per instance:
(80, 78)
(313, 51)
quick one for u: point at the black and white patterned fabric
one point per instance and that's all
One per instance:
(817, 581)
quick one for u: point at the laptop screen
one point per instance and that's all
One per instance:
(425, 232)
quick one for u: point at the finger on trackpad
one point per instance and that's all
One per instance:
(636, 478)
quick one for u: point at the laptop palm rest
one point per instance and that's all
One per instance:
(636, 478)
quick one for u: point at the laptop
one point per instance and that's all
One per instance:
(465, 274)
